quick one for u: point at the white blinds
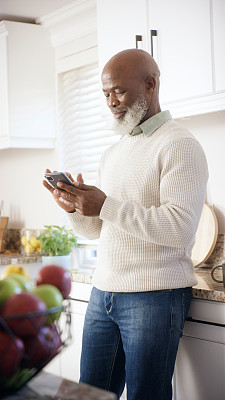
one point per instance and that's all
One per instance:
(83, 133)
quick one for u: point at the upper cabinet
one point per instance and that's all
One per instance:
(187, 39)
(218, 13)
(119, 22)
(121, 25)
(182, 47)
(27, 86)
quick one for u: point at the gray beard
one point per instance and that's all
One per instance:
(132, 118)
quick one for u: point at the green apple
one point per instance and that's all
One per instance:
(51, 297)
(8, 287)
(22, 281)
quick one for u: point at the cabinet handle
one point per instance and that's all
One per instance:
(153, 33)
(138, 39)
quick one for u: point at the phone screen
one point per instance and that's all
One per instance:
(54, 177)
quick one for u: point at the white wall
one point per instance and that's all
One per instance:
(27, 203)
(209, 129)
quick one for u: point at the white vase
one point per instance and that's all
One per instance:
(62, 261)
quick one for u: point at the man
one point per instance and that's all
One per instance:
(153, 184)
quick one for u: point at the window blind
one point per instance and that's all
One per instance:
(83, 133)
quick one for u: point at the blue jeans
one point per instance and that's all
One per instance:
(133, 338)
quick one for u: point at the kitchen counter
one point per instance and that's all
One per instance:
(47, 386)
(206, 288)
(16, 258)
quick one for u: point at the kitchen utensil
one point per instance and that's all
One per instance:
(223, 273)
(206, 236)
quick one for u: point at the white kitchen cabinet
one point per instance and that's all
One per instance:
(183, 47)
(70, 357)
(67, 363)
(200, 365)
(218, 12)
(119, 22)
(54, 367)
(189, 47)
(27, 86)
(187, 40)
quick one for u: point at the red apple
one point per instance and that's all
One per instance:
(43, 347)
(57, 276)
(24, 303)
(52, 297)
(11, 353)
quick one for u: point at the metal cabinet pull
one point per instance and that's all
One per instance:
(153, 33)
(138, 39)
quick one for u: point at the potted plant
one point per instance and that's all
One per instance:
(57, 242)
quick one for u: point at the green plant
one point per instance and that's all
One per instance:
(57, 241)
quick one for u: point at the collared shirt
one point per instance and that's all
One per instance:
(151, 124)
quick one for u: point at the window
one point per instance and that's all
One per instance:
(84, 136)
(83, 133)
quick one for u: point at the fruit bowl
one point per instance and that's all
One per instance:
(30, 354)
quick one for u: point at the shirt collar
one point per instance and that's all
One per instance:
(150, 125)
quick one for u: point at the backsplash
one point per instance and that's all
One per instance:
(218, 255)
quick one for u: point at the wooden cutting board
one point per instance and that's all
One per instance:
(206, 236)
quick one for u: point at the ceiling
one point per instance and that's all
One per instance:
(29, 10)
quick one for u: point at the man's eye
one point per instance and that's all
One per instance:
(121, 92)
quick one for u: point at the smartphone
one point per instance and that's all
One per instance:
(54, 177)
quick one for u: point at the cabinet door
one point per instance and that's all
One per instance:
(200, 370)
(218, 13)
(183, 47)
(27, 86)
(70, 357)
(118, 24)
(53, 367)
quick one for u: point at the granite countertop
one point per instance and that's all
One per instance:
(47, 386)
(9, 257)
(207, 288)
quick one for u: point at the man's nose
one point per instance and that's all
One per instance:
(113, 101)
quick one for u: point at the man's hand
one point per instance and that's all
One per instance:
(86, 200)
(56, 196)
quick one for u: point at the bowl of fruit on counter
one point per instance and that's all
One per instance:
(35, 323)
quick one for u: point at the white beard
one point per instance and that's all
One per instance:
(132, 118)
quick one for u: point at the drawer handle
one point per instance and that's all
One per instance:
(153, 33)
(139, 43)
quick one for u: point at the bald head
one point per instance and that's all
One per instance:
(136, 63)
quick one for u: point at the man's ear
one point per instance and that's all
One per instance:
(150, 83)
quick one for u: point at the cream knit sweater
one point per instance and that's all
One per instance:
(155, 187)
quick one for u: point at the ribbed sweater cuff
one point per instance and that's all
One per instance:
(109, 211)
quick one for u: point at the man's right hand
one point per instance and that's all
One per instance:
(56, 193)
